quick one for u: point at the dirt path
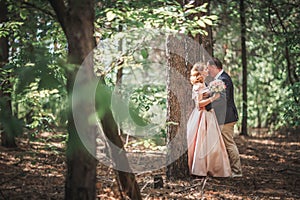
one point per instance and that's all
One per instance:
(271, 169)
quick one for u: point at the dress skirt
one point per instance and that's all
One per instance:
(207, 153)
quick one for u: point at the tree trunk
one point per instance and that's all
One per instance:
(7, 136)
(177, 93)
(127, 179)
(259, 122)
(244, 64)
(291, 70)
(120, 74)
(77, 22)
(207, 40)
(183, 52)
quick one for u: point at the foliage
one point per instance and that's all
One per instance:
(34, 68)
(10, 124)
(140, 22)
(162, 14)
(38, 46)
(291, 110)
(271, 99)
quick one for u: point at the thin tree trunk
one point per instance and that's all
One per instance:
(207, 40)
(291, 71)
(127, 179)
(120, 74)
(244, 64)
(7, 136)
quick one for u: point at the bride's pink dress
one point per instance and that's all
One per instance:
(207, 153)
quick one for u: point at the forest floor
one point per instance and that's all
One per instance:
(271, 170)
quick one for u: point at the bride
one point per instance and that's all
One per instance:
(207, 153)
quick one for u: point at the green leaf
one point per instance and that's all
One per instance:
(190, 11)
(213, 17)
(147, 144)
(207, 21)
(189, 6)
(26, 75)
(48, 81)
(144, 53)
(201, 23)
(110, 15)
(202, 8)
(23, 14)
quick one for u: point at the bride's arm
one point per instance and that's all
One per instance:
(204, 102)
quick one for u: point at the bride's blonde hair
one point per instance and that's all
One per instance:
(196, 76)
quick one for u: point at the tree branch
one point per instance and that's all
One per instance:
(60, 9)
(292, 77)
(31, 5)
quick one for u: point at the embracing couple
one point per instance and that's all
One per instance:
(211, 147)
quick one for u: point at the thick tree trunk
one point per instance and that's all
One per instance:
(244, 64)
(183, 52)
(77, 22)
(177, 93)
(291, 70)
(81, 175)
(7, 136)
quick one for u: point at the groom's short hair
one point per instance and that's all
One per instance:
(216, 62)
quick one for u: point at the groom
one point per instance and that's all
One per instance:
(226, 113)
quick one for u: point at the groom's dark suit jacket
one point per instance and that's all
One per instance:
(224, 106)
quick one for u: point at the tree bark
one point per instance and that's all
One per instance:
(7, 136)
(127, 179)
(244, 64)
(207, 40)
(177, 93)
(183, 52)
(77, 23)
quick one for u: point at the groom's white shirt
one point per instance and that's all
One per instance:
(219, 74)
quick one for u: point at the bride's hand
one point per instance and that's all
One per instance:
(206, 94)
(215, 96)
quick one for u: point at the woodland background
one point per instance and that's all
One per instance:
(43, 44)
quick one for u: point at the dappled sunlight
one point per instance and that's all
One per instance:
(33, 170)
(274, 142)
(270, 170)
(250, 157)
(268, 142)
